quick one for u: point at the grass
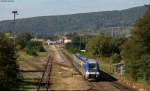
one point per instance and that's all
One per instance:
(28, 82)
(23, 56)
(105, 66)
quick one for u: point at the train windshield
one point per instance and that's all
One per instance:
(92, 67)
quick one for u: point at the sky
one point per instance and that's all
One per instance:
(33, 8)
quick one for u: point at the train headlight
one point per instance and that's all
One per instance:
(87, 72)
(87, 75)
(97, 73)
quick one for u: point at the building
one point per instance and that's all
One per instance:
(66, 40)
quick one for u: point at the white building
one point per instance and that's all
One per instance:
(66, 40)
(49, 42)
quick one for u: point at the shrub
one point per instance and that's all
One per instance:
(33, 47)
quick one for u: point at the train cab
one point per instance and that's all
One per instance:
(92, 69)
(88, 67)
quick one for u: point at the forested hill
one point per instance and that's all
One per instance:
(76, 22)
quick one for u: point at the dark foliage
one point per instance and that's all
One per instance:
(9, 71)
(33, 47)
(104, 46)
(23, 39)
(136, 51)
(78, 43)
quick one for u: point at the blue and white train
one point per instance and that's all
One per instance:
(88, 67)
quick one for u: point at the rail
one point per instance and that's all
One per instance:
(46, 76)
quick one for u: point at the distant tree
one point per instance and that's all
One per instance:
(23, 39)
(33, 47)
(72, 48)
(92, 46)
(9, 70)
(78, 43)
(53, 37)
(136, 51)
(103, 46)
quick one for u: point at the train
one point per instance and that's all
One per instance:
(89, 68)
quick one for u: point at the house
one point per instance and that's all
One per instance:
(49, 42)
(66, 40)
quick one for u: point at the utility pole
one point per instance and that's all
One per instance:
(80, 43)
(15, 13)
(14, 21)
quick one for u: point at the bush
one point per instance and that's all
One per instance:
(23, 39)
(32, 52)
(72, 48)
(116, 58)
(33, 47)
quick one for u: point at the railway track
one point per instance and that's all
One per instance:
(122, 87)
(111, 86)
(106, 85)
(44, 82)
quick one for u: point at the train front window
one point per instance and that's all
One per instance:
(92, 67)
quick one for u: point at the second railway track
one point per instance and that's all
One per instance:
(44, 82)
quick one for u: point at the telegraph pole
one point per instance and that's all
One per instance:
(80, 44)
(14, 21)
(15, 13)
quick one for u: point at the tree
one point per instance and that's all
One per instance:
(103, 46)
(78, 43)
(33, 47)
(9, 70)
(23, 39)
(136, 51)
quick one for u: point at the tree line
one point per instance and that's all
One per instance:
(9, 69)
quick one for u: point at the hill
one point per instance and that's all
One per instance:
(94, 21)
